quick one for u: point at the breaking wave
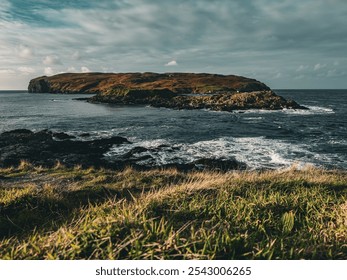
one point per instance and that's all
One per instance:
(256, 152)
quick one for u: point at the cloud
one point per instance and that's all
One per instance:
(256, 38)
(48, 71)
(302, 68)
(51, 60)
(71, 69)
(318, 66)
(25, 52)
(26, 70)
(278, 75)
(332, 73)
(85, 69)
(171, 63)
(300, 77)
(7, 71)
(76, 55)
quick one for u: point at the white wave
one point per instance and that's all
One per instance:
(337, 142)
(256, 152)
(312, 110)
(99, 134)
(253, 118)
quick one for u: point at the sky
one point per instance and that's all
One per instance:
(285, 44)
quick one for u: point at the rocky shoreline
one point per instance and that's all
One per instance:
(46, 148)
(266, 100)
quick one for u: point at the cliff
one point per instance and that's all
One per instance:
(176, 82)
(172, 90)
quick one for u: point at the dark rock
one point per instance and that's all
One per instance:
(134, 151)
(81, 98)
(18, 131)
(86, 134)
(40, 84)
(267, 100)
(40, 148)
(63, 136)
(219, 164)
(209, 164)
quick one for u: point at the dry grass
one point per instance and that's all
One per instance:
(80, 213)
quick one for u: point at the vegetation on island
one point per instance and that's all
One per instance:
(179, 83)
(88, 213)
(170, 90)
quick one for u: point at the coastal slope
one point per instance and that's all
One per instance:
(76, 213)
(171, 90)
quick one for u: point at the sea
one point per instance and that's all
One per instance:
(259, 138)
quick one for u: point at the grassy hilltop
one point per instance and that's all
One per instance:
(178, 83)
(77, 213)
(170, 90)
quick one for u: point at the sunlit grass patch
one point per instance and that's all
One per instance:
(91, 213)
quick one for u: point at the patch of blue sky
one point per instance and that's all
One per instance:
(34, 12)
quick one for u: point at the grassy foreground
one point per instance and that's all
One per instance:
(79, 213)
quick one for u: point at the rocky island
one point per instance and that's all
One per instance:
(170, 90)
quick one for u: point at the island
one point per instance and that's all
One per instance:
(171, 90)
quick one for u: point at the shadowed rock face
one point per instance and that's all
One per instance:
(171, 90)
(47, 148)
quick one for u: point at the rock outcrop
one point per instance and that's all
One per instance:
(46, 148)
(171, 90)
(267, 100)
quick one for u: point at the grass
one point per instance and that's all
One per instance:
(77, 213)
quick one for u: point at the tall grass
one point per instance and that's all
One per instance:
(80, 213)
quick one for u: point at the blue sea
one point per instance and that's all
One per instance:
(259, 138)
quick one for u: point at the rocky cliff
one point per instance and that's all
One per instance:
(176, 82)
(172, 90)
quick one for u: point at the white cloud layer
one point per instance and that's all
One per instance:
(318, 66)
(51, 60)
(48, 71)
(171, 63)
(252, 38)
(25, 52)
(26, 70)
(71, 70)
(85, 69)
(7, 71)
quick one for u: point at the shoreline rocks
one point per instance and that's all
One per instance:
(45, 148)
(267, 100)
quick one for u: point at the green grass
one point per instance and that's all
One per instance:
(80, 213)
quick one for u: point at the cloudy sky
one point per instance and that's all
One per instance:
(286, 44)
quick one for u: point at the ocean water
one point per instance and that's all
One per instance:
(259, 138)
